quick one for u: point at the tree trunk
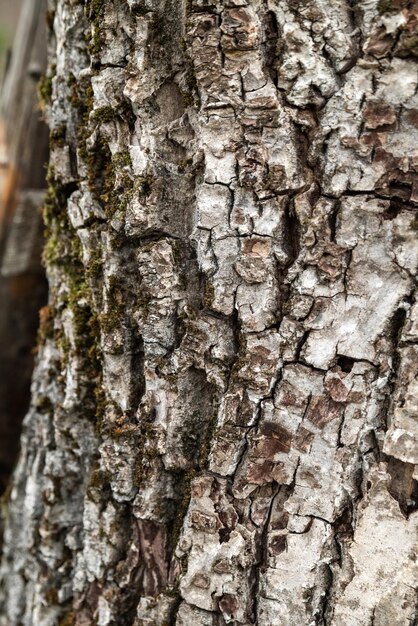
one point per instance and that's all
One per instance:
(223, 426)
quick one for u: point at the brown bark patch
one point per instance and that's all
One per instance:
(330, 264)
(268, 447)
(380, 43)
(274, 439)
(260, 473)
(309, 479)
(303, 439)
(412, 117)
(252, 270)
(289, 398)
(229, 604)
(240, 32)
(201, 580)
(378, 114)
(336, 388)
(280, 522)
(322, 411)
(278, 544)
(152, 544)
(222, 566)
(203, 522)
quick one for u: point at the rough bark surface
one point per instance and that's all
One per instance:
(223, 427)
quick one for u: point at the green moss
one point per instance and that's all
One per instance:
(43, 404)
(52, 208)
(94, 10)
(110, 321)
(57, 136)
(147, 452)
(45, 90)
(98, 479)
(68, 619)
(63, 345)
(109, 177)
(87, 342)
(391, 6)
(208, 295)
(191, 96)
(94, 270)
(407, 46)
(122, 159)
(286, 307)
(63, 251)
(62, 245)
(51, 597)
(100, 174)
(122, 111)
(104, 114)
(81, 97)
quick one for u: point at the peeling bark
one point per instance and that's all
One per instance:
(223, 426)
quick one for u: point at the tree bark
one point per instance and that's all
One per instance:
(223, 427)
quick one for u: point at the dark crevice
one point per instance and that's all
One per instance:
(398, 321)
(345, 363)
(395, 207)
(332, 220)
(281, 493)
(395, 330)
(135, 345)
(344, 529)
(321, 617)
(300, 344)
(172, 620)
(152, 236)
(271, 35)
(261, 558)
(293, 232)
(402, 486)
(236, 334)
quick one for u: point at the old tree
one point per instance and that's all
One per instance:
(223, 425)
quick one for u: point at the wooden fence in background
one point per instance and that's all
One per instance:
(23, 158)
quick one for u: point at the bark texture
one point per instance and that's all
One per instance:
(223, 427)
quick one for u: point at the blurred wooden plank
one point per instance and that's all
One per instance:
(23, 244)
(25, 136)
(19, 94)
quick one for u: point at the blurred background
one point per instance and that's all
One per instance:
(23, 159)
(9, 14)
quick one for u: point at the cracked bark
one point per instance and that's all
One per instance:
(223, 426)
